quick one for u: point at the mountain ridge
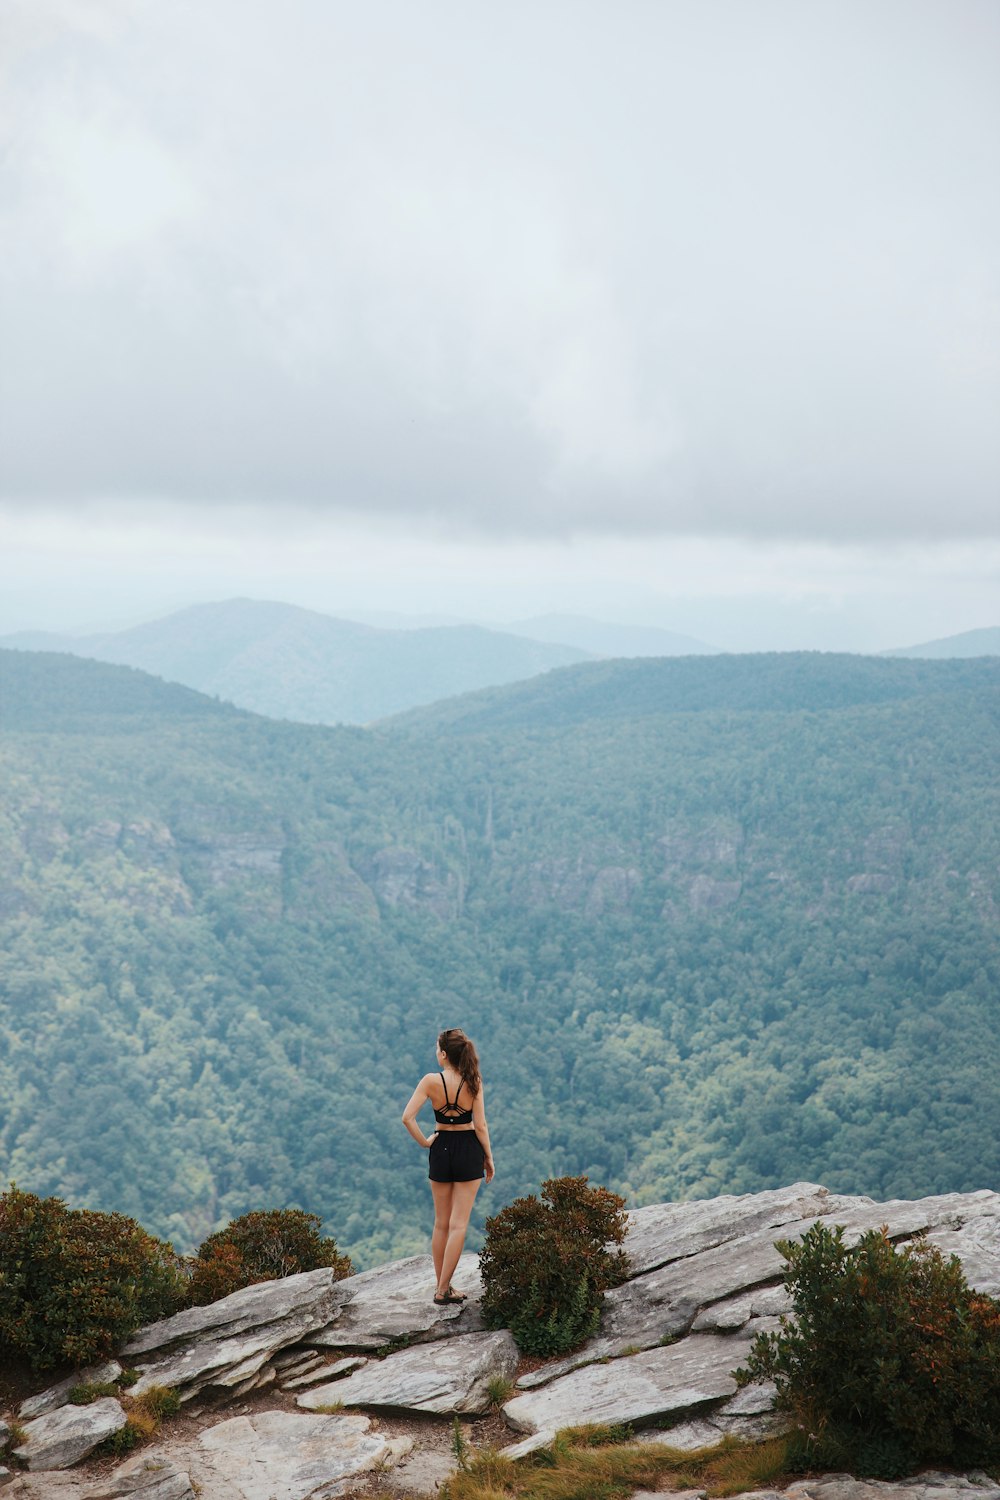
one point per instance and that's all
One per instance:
(745, 682)
(287, 662)
(968, 643)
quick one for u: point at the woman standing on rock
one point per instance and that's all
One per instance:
(460, 1154)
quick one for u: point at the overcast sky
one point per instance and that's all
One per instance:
(685, 311)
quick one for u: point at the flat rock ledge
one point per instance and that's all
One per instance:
(395, 1303)
(269, 1331)
(279, 1455)
(446, 1379)
(229, 1342)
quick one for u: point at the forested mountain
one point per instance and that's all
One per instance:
(292, 663)
(716, 925)
(985, 642)
(773, 681)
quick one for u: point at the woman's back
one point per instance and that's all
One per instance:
(443, 1090)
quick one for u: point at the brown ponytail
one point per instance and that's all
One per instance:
(462, 1056)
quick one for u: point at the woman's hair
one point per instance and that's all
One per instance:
(460, 1052)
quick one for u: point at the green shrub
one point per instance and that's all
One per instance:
(889, 1361)
(547, 1263)
(75, 1283)
(121, 1442)
(262, 1246)
(86, 1394)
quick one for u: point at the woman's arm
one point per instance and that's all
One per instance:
(420, 1094)
(482, 1132)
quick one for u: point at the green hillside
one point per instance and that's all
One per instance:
(702, 951)
(748, 683)
(52, 691)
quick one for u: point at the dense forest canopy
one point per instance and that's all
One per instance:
(716, 924)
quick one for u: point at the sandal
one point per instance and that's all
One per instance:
(446, 1299)
(457, 1296)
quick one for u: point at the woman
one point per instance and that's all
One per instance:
(460, 1154)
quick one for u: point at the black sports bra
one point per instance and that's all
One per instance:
(451, 1114)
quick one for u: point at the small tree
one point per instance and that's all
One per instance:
(547, 1263)
(262, 1246)
(890, 1359)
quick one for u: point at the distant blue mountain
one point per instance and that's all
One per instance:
(291, 663)
(985, 642)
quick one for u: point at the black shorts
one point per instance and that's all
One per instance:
(456, 1156)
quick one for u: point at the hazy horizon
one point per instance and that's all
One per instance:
(403, 620)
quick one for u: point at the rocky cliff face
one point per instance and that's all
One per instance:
(705, 1278)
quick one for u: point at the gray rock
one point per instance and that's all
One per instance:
(736, 1312)
(296, 1362)
(663, 1232)
(6, 1432)
(687, 1437)
(977, 1245)
(734, 1281)
(149, 1476)
(640, 1388)
(326, 1372)
(444, 1377)
(530, 1444)
(62, 1437)
(278, 1455)
(49, 1485)
(397, 1302)
(669, 1495)
(422, 1473)
(232, 1340)
(58, 1395)
(927, 1486)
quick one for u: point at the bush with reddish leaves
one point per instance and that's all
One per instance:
(889, 1361)
(547, 1262)
(75, 1283)
(262, 1246)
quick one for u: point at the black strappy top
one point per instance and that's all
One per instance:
(451, 1114)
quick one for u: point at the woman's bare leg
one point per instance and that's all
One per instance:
(442, 1222)
(463, 1197)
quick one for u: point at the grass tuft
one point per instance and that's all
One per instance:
(157, 1401)
(499, 1389)
(16, 1436)
(603, 1463)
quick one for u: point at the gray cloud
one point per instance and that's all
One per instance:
(534, 269)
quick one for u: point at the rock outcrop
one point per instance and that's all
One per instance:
(704, 1278)
(62, 1437)
(447, 1378)
(230, 1342)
